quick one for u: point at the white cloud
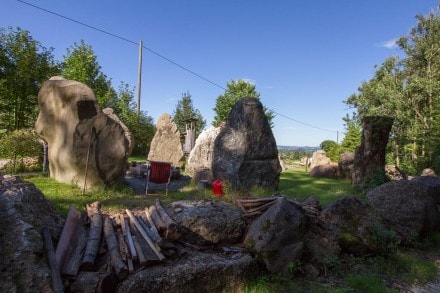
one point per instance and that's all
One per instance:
(390, 44)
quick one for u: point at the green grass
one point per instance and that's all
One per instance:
(296, 183)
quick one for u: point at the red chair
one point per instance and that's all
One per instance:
(159, 173)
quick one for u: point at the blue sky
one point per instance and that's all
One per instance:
(305, 57)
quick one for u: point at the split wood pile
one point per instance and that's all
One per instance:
(96, 251)
(256, 207)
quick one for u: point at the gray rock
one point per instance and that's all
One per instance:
(200, 157)
(352, 222)
(209, 221)
(166, 145)
(23, 213)
(326, 171)
(245, 151)
(74, 127)
(410, 207)
(276, 237)
(345, 164)
(319, 158)
(195, 272)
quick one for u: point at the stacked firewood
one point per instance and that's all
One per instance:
(257, 206)
(129, 241)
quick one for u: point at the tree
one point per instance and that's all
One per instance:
(141, 126)
(24, 65)
(352, 138)
(81, 64)
(184, 111)
(332, 149)
(409, 91)
(235, 91)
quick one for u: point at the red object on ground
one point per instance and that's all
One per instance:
(217, 187)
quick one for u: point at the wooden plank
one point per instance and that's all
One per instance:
(73, 216)
(144, 235)
(76, 250)
(141, 256)
(127, 237)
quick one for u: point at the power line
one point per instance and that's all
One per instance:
(303, 123)
(160, 56)
(126, 40)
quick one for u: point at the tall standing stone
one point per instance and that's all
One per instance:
(245, 151)
(370, 155)
(200, 157)
(166, 145)
(86, 147)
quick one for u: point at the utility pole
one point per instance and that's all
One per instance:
(139, 80)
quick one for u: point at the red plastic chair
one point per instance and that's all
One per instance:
(159, 173)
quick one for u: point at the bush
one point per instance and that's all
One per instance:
(18, 145)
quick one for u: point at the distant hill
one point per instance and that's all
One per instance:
(298, 148)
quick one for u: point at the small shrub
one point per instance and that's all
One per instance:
(18, 145)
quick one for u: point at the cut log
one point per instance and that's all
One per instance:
(155, 237)
(73, 217)
(147, 251)
(76, 251)
(94, 214)
(261, 208)
(121, 269)
(144, 235)
(94, 282)
(172, 231)
(140, 253)
(127, 237)
(262, 200)
(152, 225)
(57, 283)
(157, 220)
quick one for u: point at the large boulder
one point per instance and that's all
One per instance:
(319, 158)
(277, 236)
(81, 138)
(325, 171)
(200, 157)
(354, 223)
(369, 157)
(209, 221)
(23, 213)
(166, 145)
(409, 207)
(245, 151)
(195, 272)
(345, 164)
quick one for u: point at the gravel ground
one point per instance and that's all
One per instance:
(138, 184)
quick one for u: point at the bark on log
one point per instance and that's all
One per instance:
(155, 217)
(152, 225)
(76, 251)
(94, 214)
(100, 282)
(57, 283)
(73, 216)
(172, 231)
(127, 237)
(155, 237)
(144, 235)
(142, 258)
(112, 246)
